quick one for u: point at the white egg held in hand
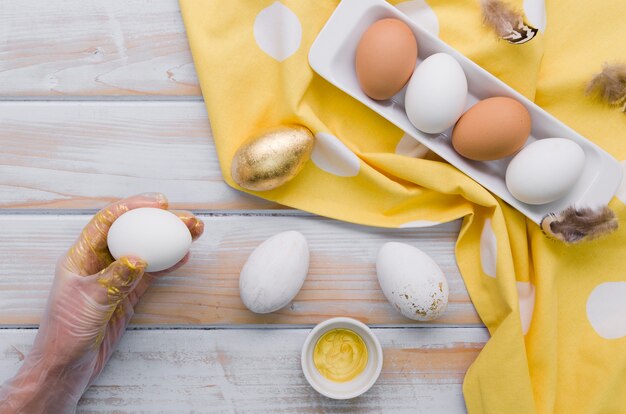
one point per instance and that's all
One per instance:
(274, 272)
(436, 94)
(411, 281)
(545, 170)
(154, 235)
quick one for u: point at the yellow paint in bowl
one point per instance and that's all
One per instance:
(340, 355)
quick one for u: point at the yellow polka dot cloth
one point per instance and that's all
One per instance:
(556, 313)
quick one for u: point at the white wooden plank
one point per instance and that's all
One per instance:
(341, 280)
(93, 47)
(254, 371)
(83, 154)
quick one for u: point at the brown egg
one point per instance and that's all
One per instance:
(385, 58)
(491, 129)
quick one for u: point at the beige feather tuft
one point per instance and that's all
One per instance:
(501, 17)
(610, 84)
(574, 225)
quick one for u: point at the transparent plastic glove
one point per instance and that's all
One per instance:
(90, 304)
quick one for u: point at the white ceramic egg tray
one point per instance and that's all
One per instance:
(332, 56)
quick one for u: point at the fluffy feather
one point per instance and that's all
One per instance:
(574, 225)
(501, 17)
(610, 84)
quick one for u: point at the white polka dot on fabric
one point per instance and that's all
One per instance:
(418, 223)
(488, 249)
(526, 295)
(410, 147)
(621, 191)
(535, 11)
(332, 156)
(420, 12)
(278, 31)
(606, 309)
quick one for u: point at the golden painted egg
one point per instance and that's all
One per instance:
(269, 160)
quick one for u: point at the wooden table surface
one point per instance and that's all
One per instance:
(99, 100)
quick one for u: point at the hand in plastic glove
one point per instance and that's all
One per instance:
(91, 302)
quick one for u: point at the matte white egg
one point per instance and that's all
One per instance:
(411, 281)
(545, 170)
(436, 94)
(274, 273)
(157, 236)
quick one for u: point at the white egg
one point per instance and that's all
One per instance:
(545, 170)
(274, 272)
(411, 281)
(436, 94)
(154, 235)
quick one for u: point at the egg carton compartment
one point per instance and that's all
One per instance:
(332, 56)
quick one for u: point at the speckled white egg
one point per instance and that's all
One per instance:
(411, 281)
(436, 94)
(274, 273)
(157, 236)
(545, 170)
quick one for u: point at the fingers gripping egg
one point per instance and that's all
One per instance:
(157, 236)
(385, 58)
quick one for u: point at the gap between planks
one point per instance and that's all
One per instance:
(206, 213)
(243, 326)
(101, 98)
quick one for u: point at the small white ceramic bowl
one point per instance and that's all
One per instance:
(349, 389)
